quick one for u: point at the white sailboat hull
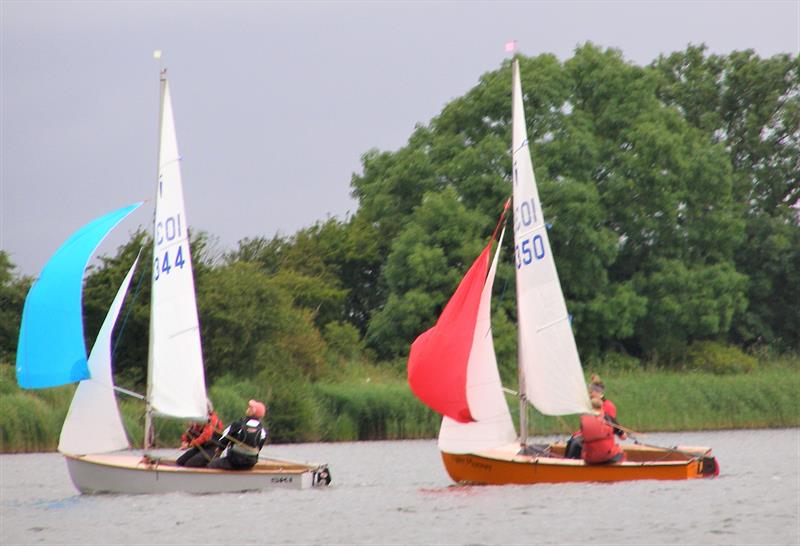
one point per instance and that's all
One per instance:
(131, 474)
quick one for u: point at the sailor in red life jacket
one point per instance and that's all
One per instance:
(599, 445)
(598, 388)
(201, 439)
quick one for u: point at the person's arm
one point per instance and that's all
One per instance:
(204, 436)
(616, 426)
(188, 436)
(225, 439)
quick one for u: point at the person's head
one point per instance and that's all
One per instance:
(597, 404)
(596, 385)
(256, 409)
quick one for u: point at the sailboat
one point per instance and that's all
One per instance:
(51, 352)
(452, 367)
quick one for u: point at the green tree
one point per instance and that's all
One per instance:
(427, 261)
(604, 312)
(249, 324)
(626, 183)
(13, 290)
(330, 268)
(751, 106)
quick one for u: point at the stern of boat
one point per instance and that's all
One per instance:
(709, 467)
(321, 477)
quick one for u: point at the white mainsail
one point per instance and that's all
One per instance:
(176, 381)
(548, 356)
(93, 423)
(492, 426)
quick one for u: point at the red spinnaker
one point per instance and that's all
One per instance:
(437, 363)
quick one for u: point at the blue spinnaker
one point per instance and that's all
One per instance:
(51, 349)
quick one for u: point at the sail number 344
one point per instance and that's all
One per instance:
(167, 231)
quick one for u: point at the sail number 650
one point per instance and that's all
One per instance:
(529, 250)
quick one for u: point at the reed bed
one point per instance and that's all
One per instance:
(355, 409)
(373, 411)
(659, 401)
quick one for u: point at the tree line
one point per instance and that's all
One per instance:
(668, 190)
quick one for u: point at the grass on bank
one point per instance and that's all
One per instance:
(372, 403)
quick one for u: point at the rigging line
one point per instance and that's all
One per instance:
(116, 388)
(502, 293)
(502, 219)
(129, 309)
(500, 222)
(564, 425)
(630, 432)
(505, 281)
(561, 420)
(691, 455)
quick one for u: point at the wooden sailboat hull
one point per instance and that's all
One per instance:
(131, 474)
(502, 467)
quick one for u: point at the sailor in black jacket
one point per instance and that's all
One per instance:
(242, 440)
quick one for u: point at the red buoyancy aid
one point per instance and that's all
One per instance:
(598, 440)
(609, 408)
(201, 433)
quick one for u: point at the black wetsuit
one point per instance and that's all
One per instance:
(242, 441)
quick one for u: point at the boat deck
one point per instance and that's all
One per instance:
(133, 461)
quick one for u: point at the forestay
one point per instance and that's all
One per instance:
(51, 349)
(554, 381)
(93, 423)
(176, 382)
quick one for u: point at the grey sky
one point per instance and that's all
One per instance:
(276, 102)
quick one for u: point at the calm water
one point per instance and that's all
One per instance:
(399, 493)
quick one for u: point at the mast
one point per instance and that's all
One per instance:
(149, 431)
(523, 404)
(516, 116)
